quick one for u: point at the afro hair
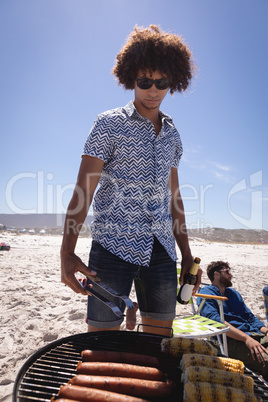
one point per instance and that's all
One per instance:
(153, 49)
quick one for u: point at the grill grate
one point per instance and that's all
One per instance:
(46, 370)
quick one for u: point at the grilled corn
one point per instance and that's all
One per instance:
(212, 375)
(178, 346)
(206, 392)
(217, 362)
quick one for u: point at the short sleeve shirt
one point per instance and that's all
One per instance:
(132, 203)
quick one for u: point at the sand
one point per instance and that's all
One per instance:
(36, 308)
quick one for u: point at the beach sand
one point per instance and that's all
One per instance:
(36, 308)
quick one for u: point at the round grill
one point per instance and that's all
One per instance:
(47, 369)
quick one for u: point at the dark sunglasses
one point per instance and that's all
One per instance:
(146, 83)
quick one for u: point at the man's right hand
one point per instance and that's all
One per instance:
(256, 349)
(87, 181)
(70, 264)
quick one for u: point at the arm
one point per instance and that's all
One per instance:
(250, 317)
(256, 349)
(211, 310)
(88, 178)
(179, 227)
(211, 307)
(264, 330)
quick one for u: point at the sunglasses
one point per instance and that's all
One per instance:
(146, 83)
(228, 270)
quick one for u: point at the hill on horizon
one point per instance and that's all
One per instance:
(33, 221)
(229, 235)
(56, 221)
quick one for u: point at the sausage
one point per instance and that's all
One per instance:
(119, 357)
(128, 386)
(120, 370)
(84, 394)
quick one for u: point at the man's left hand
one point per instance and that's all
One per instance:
(256, 349)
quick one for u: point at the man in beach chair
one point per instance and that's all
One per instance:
(248, 336)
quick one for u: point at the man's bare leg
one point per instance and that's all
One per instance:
(157, 323)
(90, 328)
(131, 317)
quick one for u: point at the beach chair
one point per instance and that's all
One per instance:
(197, 326)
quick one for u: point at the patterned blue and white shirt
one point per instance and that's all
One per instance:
(132, 203)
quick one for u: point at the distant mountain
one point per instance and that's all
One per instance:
(229, 235)
(54, 224)
(33, 221)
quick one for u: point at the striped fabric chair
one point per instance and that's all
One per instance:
(197, 326)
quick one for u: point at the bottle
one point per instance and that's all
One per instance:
(185, 292)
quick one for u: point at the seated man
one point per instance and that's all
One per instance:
(248, 336)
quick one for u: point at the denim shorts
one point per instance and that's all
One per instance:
(155, 285)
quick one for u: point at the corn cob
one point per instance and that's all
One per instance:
(178, 346)
(206, 392)
(217, 362)
(211, 375)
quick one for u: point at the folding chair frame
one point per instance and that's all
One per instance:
(220, 299)
(197, 326)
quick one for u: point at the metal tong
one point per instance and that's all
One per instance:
(98, 286)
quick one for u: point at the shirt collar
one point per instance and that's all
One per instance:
(131, 111)
(227, 290)
(216, 290)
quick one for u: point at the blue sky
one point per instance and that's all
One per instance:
(55, 77)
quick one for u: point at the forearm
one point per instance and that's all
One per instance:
(76, 214)
(264, 330)
(87, 181)
(256, 349)
(236, 334)
(181, 237)
(179, 226)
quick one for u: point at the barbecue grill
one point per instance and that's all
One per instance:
(45, 371)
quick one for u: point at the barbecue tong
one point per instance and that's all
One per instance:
(100, 288)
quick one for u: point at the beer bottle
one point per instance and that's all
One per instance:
(185, 292)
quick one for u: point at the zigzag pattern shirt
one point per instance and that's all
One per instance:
(132, 203)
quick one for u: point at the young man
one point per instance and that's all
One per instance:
(248, 336)
(133, 154)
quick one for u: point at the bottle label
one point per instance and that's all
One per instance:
(194, 268)
(186, 292)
